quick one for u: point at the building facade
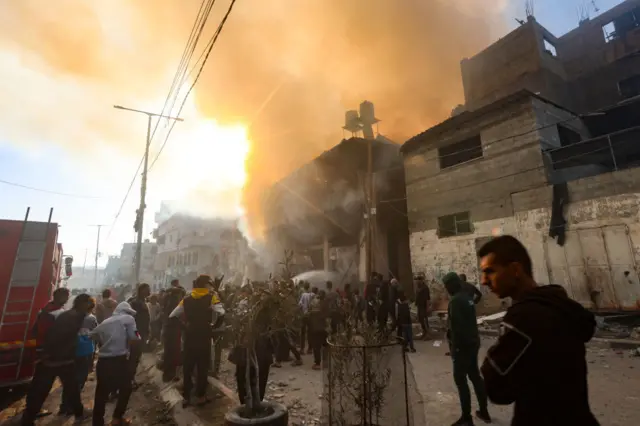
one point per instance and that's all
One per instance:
(593, 66)
(126, 264)
(189, 246)
(319, 211)
(543, 150)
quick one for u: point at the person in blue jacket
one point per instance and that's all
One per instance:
(85, 350)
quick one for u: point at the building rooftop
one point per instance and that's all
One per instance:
(466, 117)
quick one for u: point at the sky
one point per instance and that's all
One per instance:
(59, 132)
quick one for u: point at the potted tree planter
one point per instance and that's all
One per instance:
(261, 313)
(366, 382)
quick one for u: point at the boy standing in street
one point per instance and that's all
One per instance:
(403, 320)
(464, 343)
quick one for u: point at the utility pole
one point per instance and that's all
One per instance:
(367, 120)
(95, 269)
(143, 187)
(84, 265)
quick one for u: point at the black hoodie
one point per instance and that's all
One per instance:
(539, 360)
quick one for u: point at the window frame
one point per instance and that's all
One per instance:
(458, 218)
(464, 146)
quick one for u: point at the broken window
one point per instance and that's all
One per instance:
(621, 25)
(460, 152)
(454, 224)
(629, 87)
(550, 48)
(568, 136)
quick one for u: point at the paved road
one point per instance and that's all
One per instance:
(614, 381)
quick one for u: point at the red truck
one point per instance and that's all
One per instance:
(30, 268)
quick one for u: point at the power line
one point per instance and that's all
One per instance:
(530, 169)
(47, 191)
(185, 60)
(178, 80)
(124, 200)
(208, 50)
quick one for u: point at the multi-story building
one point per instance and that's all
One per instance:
(188, 246)
(319, 212)
(112, 271)
(126, 265)
(544, 149)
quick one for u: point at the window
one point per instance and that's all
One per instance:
(568, 136)
(621, 25)
(550, 48)
(460, 152)
(629, 87)
(189, 259)
(195, 258)
(454, 224)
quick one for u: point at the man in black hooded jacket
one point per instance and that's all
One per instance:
(539, 361)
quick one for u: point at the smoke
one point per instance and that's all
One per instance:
(287, 68)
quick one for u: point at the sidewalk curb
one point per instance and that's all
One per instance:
(611, 343)
(169, 394)
(224, 389)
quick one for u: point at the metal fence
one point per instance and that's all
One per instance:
(370, 386)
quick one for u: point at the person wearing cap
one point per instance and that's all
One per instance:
(198, 312)
(464, 344)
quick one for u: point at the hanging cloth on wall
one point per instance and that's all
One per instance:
(557, 228)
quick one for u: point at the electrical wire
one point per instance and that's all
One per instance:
(47, 191)
(187, 54)
(178, 79)
(519, 172)
(205, 57)
(124, 200)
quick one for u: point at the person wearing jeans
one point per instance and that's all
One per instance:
(116, 336)
(403, 320)
(318, 315)
(464, 344)
(58, 356)
(84, 358)
(303, 303)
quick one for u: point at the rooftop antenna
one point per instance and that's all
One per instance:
(595, 6)
(583, 13)
(529, 8)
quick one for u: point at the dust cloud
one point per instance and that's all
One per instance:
(287, 68)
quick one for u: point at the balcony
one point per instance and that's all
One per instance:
(614, 151)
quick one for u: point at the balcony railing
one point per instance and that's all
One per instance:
(607, 153)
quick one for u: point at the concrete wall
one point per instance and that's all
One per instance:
(499, 69)
(583, 76)
(482, 186)
(604, 212)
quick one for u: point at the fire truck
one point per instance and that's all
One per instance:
(30, 270)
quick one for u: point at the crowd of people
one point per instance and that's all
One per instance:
(538, 360)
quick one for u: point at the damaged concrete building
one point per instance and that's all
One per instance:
(318, 211)
(546, 148)
(188, 246)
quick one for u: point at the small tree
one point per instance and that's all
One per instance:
(268, 310)
(357, 374)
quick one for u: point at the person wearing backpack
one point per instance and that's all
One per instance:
(85, 352)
